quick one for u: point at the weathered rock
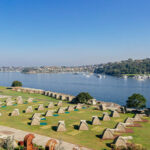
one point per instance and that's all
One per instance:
(106, 117)
(115, 114)
(36, 115)
(137, 117)
(83, 125)
(60, 111)
(102, 107)
(40, 107)
(50, 105)
(107, 134)
(95, 120)
(59, 103)
(120, 142)
(30, 100)
(19, 100)
(79, 106)
(120, 127)
(130, 121)
(62, 97)
(15, 112)
(29, 109)
(35, 121)
(61, 126)
(9, 99)
(9, 103)
(49, 113)
(70, 108)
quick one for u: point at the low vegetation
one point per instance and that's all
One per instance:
(16, 84)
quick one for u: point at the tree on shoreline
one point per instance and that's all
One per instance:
(83, 97)
(16, 84)
(136, 101)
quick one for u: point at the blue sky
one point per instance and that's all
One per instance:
(73, 32)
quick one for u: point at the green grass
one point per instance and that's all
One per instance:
(88, 139)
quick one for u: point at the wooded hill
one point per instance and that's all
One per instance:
(129, 66)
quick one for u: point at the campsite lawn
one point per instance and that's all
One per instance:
(90, 138)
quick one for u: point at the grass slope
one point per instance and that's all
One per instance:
(88, 139)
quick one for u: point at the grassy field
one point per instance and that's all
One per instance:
(88, 139)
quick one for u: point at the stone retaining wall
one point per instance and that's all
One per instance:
(59, 96)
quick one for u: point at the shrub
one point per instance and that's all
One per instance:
(16, 84)
(83, 97)
(136, 101)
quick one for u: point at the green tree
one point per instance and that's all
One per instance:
(83, 97)
(136, 101)
(16, 84)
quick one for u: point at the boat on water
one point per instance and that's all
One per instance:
(140, 78)
(76, 73)
(125, 77)
(99, 76)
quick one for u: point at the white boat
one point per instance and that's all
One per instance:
(87, 75)
(140, 78)
(125, 76)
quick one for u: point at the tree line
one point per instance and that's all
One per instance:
(125, 67)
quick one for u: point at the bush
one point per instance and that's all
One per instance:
(136, 101)
(83, 97)
(16, 84)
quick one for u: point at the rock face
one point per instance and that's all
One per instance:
(59, 103)
(95, 120)
(120, 127)
(120, 142)
(115, 114)
(106, 117)
(49, 113)
(61, 126)
(40, 107)
(28, 144)
(15, 112)
(83, 125)
(19, 100)
(60, 111)
(50, 105)
(107, 134)
(29, 109)
(70, 108)
(30, 100)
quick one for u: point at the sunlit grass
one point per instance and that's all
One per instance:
(85, 138)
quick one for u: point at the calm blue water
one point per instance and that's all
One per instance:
(107, 89)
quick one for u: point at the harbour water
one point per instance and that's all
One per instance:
(105, 88)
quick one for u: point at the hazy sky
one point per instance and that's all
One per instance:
(73, 32)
